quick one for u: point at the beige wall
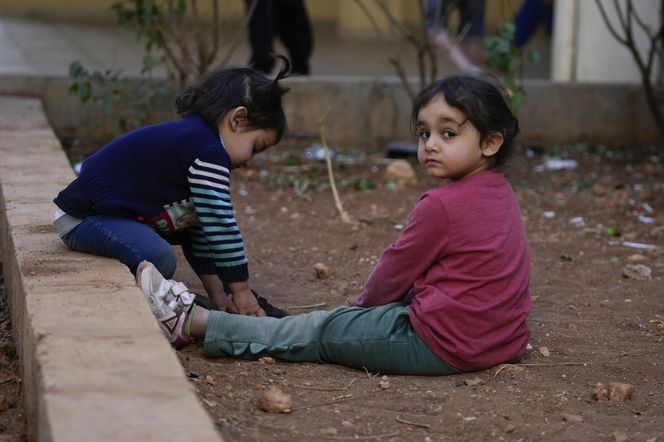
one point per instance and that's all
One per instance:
(346, 14)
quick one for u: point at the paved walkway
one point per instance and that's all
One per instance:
(41, 47)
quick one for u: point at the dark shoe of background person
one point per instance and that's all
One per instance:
(269, 309)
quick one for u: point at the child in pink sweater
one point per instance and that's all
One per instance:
(449, 296)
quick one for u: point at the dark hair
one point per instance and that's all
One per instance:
(483, 102)
(225, 89)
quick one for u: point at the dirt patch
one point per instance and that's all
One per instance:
(590, 322)
(593, 320)
(12, 416)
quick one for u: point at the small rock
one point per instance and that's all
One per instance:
(544, 351)
(639, 272)
(266, 360)
(571, 418)
(636, 257)
(210, 380)
(347, 424)
(600, 393)
(620, 391)
(322, 271)
(330, 431)
(384, 383)
(273, 400)
(510, 428)
(619, 436)
(401, 173)
(474, 381)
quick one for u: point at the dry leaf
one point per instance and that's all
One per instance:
(600, 392)
(544, 351)
(620, 391)
(639, 272)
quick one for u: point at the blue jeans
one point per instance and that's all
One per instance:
(132, 242)
(379, 339)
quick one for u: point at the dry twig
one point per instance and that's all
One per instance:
(306, 307)
(404, 421)
(333, 185)
(344, 388)
(356, 437)
(336, 400)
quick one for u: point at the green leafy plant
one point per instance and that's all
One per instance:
(175, 36)
(504, 56)
(126, 107)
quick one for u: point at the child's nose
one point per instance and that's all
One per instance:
(431, 144)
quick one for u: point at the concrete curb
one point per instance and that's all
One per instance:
(94, 364)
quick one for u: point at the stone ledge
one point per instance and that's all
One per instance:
(366, 112)
(94, 365)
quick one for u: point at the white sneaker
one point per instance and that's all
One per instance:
(170, 302)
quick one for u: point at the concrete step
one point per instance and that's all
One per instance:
(94, 364)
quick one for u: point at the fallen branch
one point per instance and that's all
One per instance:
(4, 381)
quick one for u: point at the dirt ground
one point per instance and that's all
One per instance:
(590, 322)
(12, 418)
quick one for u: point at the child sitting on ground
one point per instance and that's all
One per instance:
(169, 183)
(449, 296)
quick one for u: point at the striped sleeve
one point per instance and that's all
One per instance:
(218, 237)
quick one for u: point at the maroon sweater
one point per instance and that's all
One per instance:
(464, 260)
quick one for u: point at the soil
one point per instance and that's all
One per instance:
(593, 320)
(590, 323)
(12, 417)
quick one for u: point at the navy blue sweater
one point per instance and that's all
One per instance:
(173, 176)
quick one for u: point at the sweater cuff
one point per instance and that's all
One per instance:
(239, 273)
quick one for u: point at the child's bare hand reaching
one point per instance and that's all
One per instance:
(245, 301)
(224, 303)
(246, 304)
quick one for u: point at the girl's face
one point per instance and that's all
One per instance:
(243, 144)
(450, 146)
(241, 141)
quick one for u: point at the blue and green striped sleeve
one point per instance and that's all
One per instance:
(219, 237)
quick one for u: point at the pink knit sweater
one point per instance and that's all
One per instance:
(464, 260)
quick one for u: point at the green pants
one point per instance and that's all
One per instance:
(379, 339)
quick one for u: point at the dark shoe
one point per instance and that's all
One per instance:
(270, 310)
(205, 302)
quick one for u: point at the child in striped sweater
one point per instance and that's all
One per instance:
(169, 184)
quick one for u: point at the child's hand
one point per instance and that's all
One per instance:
(247, 304)
(224, 303)
(352, 300)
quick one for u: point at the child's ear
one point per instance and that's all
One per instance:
(238, 114)
(491, 144)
